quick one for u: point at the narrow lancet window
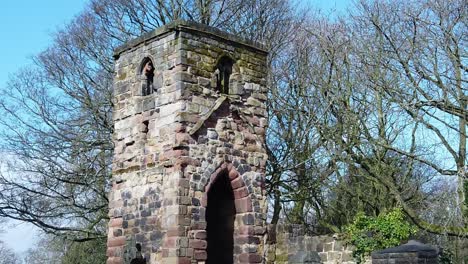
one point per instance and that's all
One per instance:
(223, 72)
(147, 73)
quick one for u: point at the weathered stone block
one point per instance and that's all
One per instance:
(301, 257)
(250, 258)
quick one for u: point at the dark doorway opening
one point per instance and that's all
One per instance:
(220, 215)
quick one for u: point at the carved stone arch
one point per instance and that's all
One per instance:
(143, 61)
(238, 186)
(146, 75)
(225, 55)
(227, 201)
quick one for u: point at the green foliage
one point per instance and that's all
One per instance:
(386, 230)
(446, 257)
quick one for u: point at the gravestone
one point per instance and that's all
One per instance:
(412, 252)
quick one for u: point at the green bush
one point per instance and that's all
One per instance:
(446, 257)
(368, 234)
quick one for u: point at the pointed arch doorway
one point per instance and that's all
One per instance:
(220, 216)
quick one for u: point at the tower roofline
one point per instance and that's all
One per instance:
(192, 27)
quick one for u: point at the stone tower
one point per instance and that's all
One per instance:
(189, 161)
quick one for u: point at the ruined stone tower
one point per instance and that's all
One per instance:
(189, 162)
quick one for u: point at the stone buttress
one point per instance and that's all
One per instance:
(189, 161)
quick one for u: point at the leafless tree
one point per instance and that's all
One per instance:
(348, 118)
(7, 255)
(56, 131)
(413, 55)
(56, 113)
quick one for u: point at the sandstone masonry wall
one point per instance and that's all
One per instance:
(170, 146)
(291, 244)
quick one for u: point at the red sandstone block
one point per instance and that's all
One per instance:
(249, 137)
(214, 175)
(207, 187)
(184, 260)
(114, 261)
(111, 252)
(200, 255)
(151, 220)
(241, 192)
(237, 183)
(170, 242)
(185, 183)
(245, 230)
(198, 225)
(182, 139)
(180, 128)
(250, 258)
(260, 131)
(116, 241)
(241, 240)
(260, 230)
(175, 231)
(204, 200)
(173, 154)
(233, 174)
(197, 244)
(243, 205)
(180, 152)
(254, 121)
(246, 239)
(200, 234)
(185, 161)
(116, 222)
(117, 186)
(116, 203)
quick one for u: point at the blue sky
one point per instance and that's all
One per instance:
(26, 28)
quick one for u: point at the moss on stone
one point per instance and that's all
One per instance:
(122, 76)
(282, 258)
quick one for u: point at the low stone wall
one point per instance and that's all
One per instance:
(291, 244)
(332, 250)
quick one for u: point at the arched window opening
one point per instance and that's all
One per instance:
(220, 216)
(147, 73)
(223, 72)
